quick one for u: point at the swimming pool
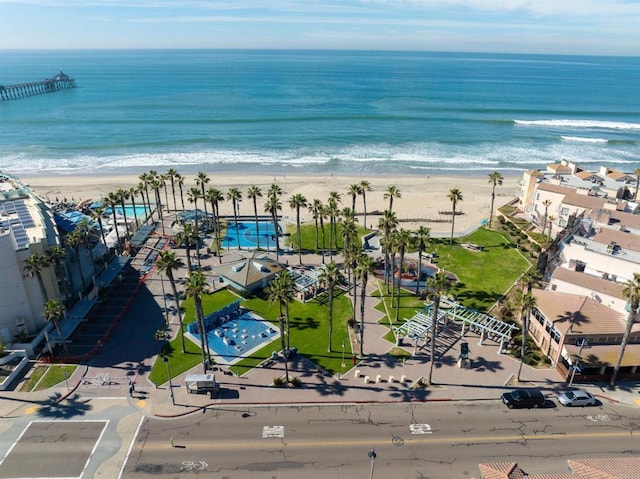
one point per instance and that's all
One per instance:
(249, 234)
(238, 337)
(140, 211)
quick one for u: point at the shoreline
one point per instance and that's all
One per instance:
(424, 197)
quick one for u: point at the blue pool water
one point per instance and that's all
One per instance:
(244, 334)
(248, 234)
(129, 210)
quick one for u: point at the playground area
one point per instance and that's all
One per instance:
(233, 332)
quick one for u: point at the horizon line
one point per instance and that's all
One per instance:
(292, 49)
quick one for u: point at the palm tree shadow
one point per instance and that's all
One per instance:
(65, 408)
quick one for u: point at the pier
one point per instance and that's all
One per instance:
(59, 82)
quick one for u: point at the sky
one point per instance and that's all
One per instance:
(584, 27)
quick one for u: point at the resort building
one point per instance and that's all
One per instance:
(573, 328)
(594, 217)
(32, 228)
(26, 227)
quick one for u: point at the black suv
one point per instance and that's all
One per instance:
(523, 398)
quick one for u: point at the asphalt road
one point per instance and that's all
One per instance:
(447, 440)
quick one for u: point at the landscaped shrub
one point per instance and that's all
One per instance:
(279, 382)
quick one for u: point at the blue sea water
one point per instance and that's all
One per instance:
(342, 112)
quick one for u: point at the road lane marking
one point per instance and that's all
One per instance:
(420, 429)
(272, 431)
(425, 440)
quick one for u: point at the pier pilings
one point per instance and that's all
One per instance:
(59, 82)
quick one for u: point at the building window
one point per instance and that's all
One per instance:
(564, 211)
(538, 315)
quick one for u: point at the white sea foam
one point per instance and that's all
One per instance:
(610, 125)
(373, 158)
(585, 140)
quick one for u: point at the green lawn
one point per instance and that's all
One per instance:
(44, 377)
(308, 236)
(309, 324)
(485, 275)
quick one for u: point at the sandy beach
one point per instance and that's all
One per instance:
(423, 197)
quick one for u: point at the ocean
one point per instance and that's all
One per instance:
(319, 112)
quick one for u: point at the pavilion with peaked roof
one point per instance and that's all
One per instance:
(249, 273)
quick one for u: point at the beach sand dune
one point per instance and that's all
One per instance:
(423, 200)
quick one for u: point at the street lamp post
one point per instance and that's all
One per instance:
(583, 342)
(343, 364)
(165, 359)
(372, 456)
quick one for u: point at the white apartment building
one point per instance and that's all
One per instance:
(26, 227)
(587, 267)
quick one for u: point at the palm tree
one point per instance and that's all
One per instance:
(34, 265)
(201, 180)
(364, 268)
(53, 312)
(96, 215)
(525, 303)
(551, 220)
(215, 197)
(188, 237)
(455, 195)
(112, 201)
(404, 239)
(333, 212)
(495, 179)
(133, 192)
(272, 206)
(145, 180)
(323, 213)
(172, 175)
(180, 183)
(421, 240)
(637, 173)
(156, 184)
(349, 250)
(167, 263)
(437, 286)
(387, 223)
(315, 209)
(281, 290)
(330, 277)
(73, 240)
(364, 187)
(56, 255)
(546, 204)
(85, 230)
(296, 202)
(391, 193)
(354, 191)
(253, 194)
(631, 293)
(123, 195)
(192, 196)
(195, 287)
(530, 279)
(235, 196)
(163, 180)
(335, 198)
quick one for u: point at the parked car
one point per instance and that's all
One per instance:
(577, 398)
(520, 398)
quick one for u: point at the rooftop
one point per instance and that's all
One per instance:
(572, 312)
(588, 281)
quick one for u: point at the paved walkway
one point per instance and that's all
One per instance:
(376, 378)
